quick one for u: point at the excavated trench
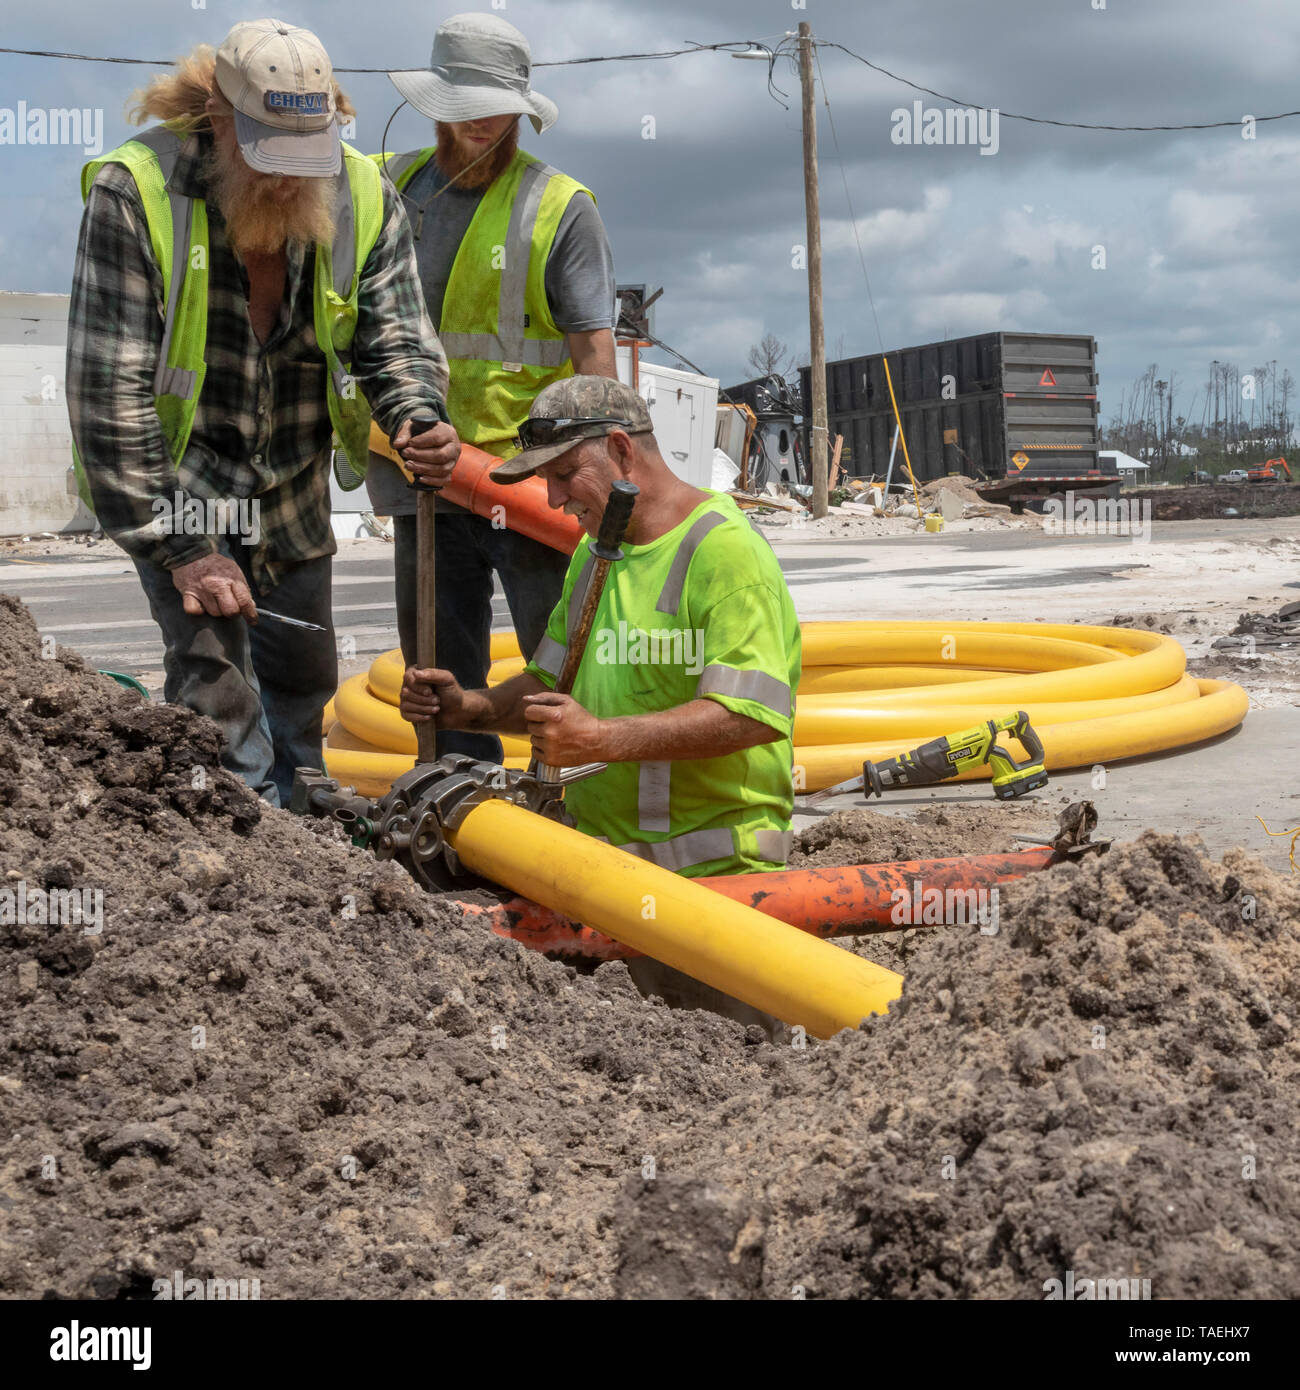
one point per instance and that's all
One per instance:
(271, 1057)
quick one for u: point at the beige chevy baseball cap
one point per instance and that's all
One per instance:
(280, 81)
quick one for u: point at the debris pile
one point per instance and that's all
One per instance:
(864, 510)
(278, 1059)
(1254, 630)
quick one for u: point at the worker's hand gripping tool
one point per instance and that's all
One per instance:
(426, 607)
(605, 550)
(409, 822)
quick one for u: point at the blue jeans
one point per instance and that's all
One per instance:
(467, 549)
(266, 686)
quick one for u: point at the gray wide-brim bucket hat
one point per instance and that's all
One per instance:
(481, 66)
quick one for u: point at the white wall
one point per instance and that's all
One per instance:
(684, 409)
(35, 439)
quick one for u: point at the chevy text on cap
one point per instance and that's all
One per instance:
(301, 103)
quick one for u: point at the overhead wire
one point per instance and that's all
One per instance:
(728, 46)
(1046, 120)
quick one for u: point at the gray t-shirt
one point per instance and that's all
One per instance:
(580, 286)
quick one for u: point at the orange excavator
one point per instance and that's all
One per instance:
(1271, 472)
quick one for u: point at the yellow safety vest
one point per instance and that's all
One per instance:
(178, 233)
(502, 343)
(668, 630)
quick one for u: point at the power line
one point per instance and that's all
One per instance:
(1044, 120)
(729, 45)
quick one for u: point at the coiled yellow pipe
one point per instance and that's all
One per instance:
(871, 690)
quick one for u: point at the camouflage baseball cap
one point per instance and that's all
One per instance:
(582, 407)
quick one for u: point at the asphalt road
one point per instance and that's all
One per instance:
(90, 599)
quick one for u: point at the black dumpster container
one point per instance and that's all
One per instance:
(999, 406)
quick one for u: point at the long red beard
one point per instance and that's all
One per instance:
(454, 158)
(258, 221)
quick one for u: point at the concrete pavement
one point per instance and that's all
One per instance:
(90, 599)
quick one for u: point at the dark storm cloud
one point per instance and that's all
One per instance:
(1196, 227)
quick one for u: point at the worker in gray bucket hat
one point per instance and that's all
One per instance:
(481, 66)
(519, 282)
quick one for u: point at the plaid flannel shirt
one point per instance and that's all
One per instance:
(262, 428)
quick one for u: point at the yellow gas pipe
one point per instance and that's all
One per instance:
(769, 964)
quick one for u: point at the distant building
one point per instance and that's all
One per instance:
(36, 492)
(1131, 471)
(1175, 448)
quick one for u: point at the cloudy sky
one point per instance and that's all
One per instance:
(1199, 228)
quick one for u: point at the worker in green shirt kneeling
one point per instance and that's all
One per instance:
(686, 689)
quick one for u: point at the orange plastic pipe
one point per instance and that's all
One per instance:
(857, 900)
(522, 506)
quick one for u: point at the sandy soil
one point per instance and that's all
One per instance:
(385, 1100)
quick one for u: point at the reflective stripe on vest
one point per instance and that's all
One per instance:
(774, 845)
(490, 347)
(670, 596)
(358, 216)
(704, 846)
(550, 654)
(172, 381)
(654, 793)
(402, 168)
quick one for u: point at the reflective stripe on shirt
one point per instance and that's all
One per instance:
(757, 686)
(703, 846)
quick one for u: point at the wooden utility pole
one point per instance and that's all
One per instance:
(818, 435)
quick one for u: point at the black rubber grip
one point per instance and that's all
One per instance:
(1029, 740)
(422, 424)
(613, 524)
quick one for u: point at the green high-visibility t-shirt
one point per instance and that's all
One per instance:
(702, 612)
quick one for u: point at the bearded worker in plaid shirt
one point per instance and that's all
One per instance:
(245, 290)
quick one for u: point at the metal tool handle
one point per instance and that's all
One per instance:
(426, 597)
(606, 548)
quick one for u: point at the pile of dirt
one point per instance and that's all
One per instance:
(956, 483)
(1206, 500)
(279, 1060)
(1106, 1086)
(933, 832)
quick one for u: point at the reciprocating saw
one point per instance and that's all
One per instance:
(943, 758)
